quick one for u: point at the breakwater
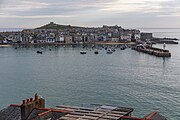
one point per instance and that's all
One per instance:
(165, 40)
(153, 51)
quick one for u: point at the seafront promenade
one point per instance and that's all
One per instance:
(7, 45)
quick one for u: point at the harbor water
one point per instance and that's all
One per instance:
(61, 75)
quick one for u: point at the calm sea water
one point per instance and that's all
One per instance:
(64, 76)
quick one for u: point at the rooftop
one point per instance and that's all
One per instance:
(99, 113)
(34, 109)
(13, 112)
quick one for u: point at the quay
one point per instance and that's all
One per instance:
(34, 109)
(4, 45)
(152, 51)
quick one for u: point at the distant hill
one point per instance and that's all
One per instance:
(53, 25)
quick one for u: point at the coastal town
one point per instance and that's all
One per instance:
(53, 33)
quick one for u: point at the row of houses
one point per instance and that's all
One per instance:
(74, 35)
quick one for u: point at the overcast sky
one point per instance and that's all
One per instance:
(127, 13)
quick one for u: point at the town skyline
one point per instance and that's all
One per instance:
(90, 13)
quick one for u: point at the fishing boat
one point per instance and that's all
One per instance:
(83, 52)
(123, 47)
(109, 51)
(113, 49)
(96, 52)
(39, 52)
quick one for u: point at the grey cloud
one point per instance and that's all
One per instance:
(88, 12)
(1, 2)
(53, 7)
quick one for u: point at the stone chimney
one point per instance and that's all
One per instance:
(29, 105)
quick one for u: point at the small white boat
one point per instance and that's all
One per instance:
(109, 51)
(83, 52)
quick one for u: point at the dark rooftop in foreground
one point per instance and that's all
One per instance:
(35, 110)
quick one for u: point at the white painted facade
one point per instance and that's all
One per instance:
(115, 39)
(126, 37)
(61, 38)
(137, 36)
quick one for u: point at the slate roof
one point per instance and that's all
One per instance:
(34, 114)
(10, 113)
(14, 113)
(52, 115)
(155, 116)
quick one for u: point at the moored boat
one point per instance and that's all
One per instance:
(39, 52)
(96, 52)
(83, 52)
(109, 51)
(113, 50)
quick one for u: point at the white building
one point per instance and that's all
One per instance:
(137, 36)
(115, 39)
(126, 37)
(50, 38)
(61, 39)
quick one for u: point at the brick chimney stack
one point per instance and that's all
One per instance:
(29, 105)
(36, 96)
(24, 102)
(31, 99)
(27, 100)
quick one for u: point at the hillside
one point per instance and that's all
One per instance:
(53, 25)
